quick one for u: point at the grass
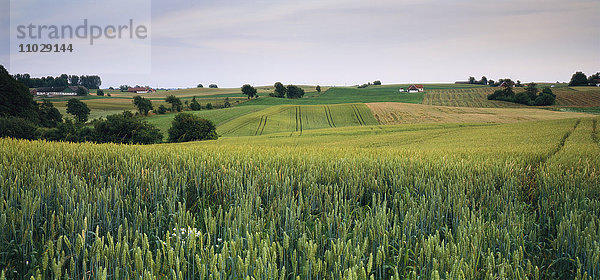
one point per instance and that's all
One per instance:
(341, 95)
(297, 119)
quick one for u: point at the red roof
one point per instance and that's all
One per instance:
(419, 86)
(136, 89)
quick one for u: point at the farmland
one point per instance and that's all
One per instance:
(422, 201)
(403, 113)
(477, 97)
(296, 119)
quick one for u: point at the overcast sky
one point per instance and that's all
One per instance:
(346, 42)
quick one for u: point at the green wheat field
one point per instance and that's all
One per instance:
(325, 197)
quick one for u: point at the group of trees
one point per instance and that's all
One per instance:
(291, 91)
(375, 83)
(580, 79)
(91, 82)
(23, 118)
(482, 81)
(531, 96)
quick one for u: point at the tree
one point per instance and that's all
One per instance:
(175, 102)
(213, 86)
(161, 109)
(294, 92)
(518, 84)
(81, 91)
(471, 80)
(249, 91)
(49, 115)
(318, 88)
(531, 90)
(100, 92)
(377, 83)
(126, 129)
(200, 86)
(209, 106)
(226, 104)
(187, 127)
(279, 90)
(78, 109)
(194, 105)
(545, 100)
(15, 98)
(143, 105)
(523, 98)
(123, 88)
(593, 79)
(578, 79)
(491, 82)
(483, 81)
(17, 128)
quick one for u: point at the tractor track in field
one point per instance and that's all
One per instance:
(361, 121)
(531, 194)
(261, 126)
(595, 131)
(238, 127)
(328, 116)
(299, 119)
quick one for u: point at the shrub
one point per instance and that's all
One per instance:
(49, 115)
(187, 127)
(126, 129)
(523, 98)
(209, 106)
(100, 92)
(162, 109)
(194, 105)
(377, 83)
(18, 128)
(545, 100)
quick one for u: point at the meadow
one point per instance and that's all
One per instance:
(422, 201)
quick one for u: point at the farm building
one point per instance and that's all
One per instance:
(141, 90)
(57, 91)
(415, 88)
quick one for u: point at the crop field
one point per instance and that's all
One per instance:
(437, 201)
(476, 97)
(218, 117)
(297, 119)
(578, 97)
(341, 95)
(403, 113)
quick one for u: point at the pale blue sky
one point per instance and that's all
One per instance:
(335, 42)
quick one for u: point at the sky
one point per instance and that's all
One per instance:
(330, 42)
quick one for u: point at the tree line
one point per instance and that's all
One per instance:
(22, 117)
(532, 96)
(90, 82)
